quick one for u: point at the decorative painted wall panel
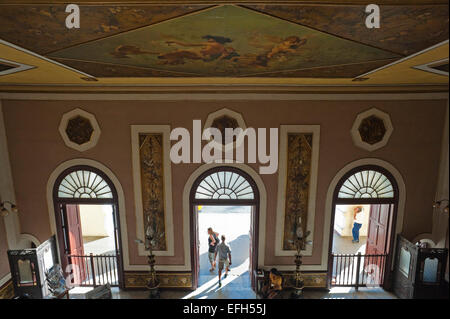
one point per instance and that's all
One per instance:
(152, 185)
(167, 280)
(310, 280)
(297, 185)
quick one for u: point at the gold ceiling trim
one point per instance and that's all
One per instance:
(217, 89)
(430, 67)
(409, 57)
(38, 56)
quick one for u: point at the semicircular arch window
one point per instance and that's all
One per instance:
(367, 184)
(224, 185)
(84, 184)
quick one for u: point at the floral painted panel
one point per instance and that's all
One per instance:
(297, 185)
(152, 186)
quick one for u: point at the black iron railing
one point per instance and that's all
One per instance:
(357, 270)
(94, 270)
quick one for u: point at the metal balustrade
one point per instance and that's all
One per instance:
(357, 270)
(94, 270)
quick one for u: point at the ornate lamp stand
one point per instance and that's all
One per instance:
(300, 243)
(153, 283)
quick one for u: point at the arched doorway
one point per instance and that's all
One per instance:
(88, 226)
(372, 191)
(224, 186)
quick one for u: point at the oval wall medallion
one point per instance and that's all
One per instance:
(79, 130)
(226, 118)
(372, 129)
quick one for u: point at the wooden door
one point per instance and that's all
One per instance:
(118, 246)
(196, 247)
(253, 264)
(378, 239)
(250, 248)
(75, 237)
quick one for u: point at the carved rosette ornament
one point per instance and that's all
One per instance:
(223, 122)
(372, 129)
(222, 119)
(79, 130)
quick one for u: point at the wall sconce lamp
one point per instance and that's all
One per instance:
(439, 204)
(4, 212)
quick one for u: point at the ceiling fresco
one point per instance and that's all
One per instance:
(226, 41)
(41, 28)
(210, 43)
(403, 29)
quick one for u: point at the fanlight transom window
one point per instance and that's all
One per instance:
(84, 184)
(224, 185)
(367, 184)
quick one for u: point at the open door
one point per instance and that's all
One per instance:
(378, 236)
(378, 229)
(196, 248)
(75, 237)
(253, 264)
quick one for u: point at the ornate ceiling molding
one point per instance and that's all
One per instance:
(13, 67)
(435, 67)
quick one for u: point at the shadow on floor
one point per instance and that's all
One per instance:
(239, 254)
(236, 285)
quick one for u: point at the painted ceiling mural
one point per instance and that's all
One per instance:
(224, 41)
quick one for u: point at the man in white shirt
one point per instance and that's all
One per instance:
(357, 223)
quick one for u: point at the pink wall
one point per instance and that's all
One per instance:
(36, 148)
(4, 265)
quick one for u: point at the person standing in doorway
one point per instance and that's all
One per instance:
(224, 252)
(357, 223)
(213, 241)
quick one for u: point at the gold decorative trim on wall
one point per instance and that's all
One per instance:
(152, 186)
(7, 290)
(311, 280)
(167, 280)
(297, 185)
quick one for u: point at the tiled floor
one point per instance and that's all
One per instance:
(233, 291)
(344, 245)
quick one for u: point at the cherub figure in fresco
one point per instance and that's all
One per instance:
(289, 45)
(278, 49)
(212, 49)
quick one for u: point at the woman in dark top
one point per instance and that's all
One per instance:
(213, 241)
